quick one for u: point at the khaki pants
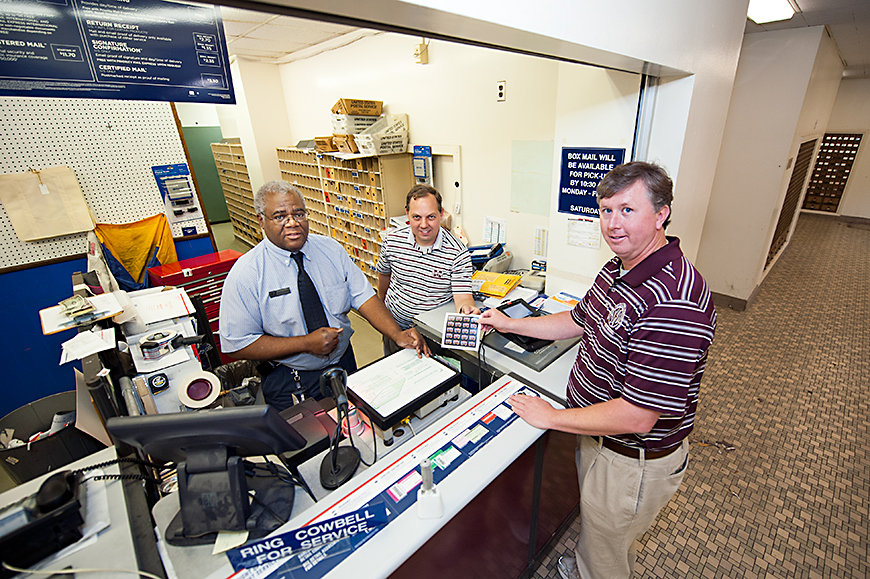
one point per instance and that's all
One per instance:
(620, 498)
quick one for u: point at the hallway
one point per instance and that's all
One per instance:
(779, 481)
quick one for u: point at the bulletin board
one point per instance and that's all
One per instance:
(111, 147)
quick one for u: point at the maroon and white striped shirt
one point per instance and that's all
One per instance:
(645, 339)
(422, 278)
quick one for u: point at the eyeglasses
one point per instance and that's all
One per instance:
(300, 216)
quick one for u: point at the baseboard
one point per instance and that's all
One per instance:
(731, 302)
(724, 301)
(860, 221)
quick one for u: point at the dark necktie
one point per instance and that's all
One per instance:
(312, 307)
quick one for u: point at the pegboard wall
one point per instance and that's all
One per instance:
(110, 146)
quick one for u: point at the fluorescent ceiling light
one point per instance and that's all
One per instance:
(764, 11)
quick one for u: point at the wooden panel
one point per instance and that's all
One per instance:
(350, 199)
(236, 184)
(792, 195)
(831, 171)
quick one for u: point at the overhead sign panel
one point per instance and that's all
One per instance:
(155, 50)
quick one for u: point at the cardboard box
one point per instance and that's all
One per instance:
(387, 136)
(392, 124)
(349, 124)
(382, 145)
(345, 143)
(357, 107)
(325, 144)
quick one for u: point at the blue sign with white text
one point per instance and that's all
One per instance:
(313, 536)
(155, 50)
(582, 170)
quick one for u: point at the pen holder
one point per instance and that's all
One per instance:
(429, 504)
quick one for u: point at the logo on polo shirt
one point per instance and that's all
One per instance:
(617, 314)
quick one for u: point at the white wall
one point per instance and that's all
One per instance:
(699, 38)
(851, 114)
(450, 101)
(783, 92)
(197, 114)
(594, 108)
(259, 116)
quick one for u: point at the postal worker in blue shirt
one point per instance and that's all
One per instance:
(261, 310)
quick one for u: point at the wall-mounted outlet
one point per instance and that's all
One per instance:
(456, 208)
(502, 91)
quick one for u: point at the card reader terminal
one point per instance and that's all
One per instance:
(520, 309)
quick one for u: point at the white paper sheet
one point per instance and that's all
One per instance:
(396, 381)
(165, 305)
(87, 343)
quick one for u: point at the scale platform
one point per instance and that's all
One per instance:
(393, 388)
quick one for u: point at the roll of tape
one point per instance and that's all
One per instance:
(160, 337)
(199, 389)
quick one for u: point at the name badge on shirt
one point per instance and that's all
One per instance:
(279, 292)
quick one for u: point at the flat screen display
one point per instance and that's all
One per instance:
(517, 309)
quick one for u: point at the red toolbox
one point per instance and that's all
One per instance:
(203, 276)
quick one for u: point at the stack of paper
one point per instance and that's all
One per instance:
(561, 302)
(87, 343)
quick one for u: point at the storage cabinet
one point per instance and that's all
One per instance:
(350, 200)
(229, 159)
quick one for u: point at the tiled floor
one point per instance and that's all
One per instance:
(225, 239)
(787, 387)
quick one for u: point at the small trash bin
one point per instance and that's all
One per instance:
(232, 377)
(59, 449)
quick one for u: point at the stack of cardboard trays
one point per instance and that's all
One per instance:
(389, 135)
(351, 116)
(325, 144)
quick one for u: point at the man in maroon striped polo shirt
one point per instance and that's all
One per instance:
(646, 325)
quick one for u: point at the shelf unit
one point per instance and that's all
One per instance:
(229, 158)
(350, 200)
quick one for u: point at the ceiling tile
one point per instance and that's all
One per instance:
(239, 15)
(297, 35)
(264, 45)
(315, 25)
(238, 28)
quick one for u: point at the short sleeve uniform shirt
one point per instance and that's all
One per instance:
(259, 297)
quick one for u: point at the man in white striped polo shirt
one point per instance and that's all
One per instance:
(646, 325)
(422, 265)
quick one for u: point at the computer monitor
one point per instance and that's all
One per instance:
(208, 447)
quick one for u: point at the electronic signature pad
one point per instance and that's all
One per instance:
(520, 309)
